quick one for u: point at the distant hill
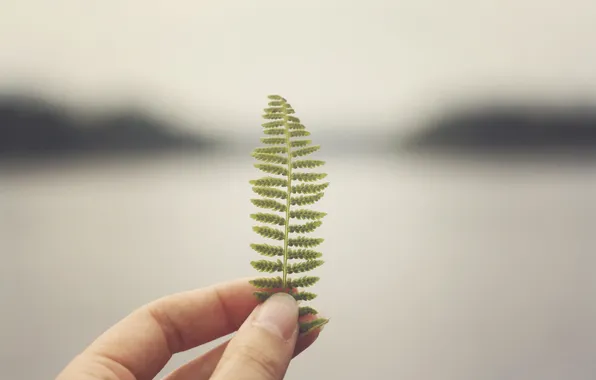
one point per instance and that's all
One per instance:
(34, 128)
(510, 128)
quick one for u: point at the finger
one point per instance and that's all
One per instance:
(264, 344)
(200, 368)
(203, 366)
(140, 345)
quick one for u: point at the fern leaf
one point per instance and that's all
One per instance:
(304, 254)
(285, 194)
(268, 250)
(304, 266)
(303, 282)
(267, 282)
(272, 158)
(275, 131)
(301, 296)
(273, 116)
(306, 310)
(272, 169)
(308, 327)
(269, 232)
(267, 266)
(270, 192)
(305, 242)
(262, 296)
(306, 199)
(308, 177)
(274, 110)
(271, 149)
(299, 143)
(269, 204)
(309, 164)
(304, 296)
(273, 124)
(305, 151)
(269, 218)
(274, 140)
(309, 188)
(307, 214)
(269, 182)
(304, 228)
(299, 133)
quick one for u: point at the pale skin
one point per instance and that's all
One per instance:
(140, 345)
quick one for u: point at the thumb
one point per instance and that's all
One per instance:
(263, 347)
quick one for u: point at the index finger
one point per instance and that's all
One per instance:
(141, 344)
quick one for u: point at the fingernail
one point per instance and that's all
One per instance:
(279, 315)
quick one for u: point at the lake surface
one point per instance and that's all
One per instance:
(435, 268)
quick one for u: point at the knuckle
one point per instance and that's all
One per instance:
(259, 361)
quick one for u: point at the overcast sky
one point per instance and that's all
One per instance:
(343, 64)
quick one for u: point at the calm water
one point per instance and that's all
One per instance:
(434, 269)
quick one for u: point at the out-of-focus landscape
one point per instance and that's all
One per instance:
(460, 143)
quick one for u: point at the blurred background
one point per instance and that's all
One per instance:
(459, 138)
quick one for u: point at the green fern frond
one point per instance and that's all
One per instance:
(308, 177)
(273, 124)
(285, 194)
(269, 218)
(304, 254)
(271, 149)
(269, 232)
(304, 266)
(304, 228)
(305, 296)
(269, 204)
(267, 282)
(306, 310)
(267, 266)
(301, 296)
(306, 199)
(274, 140)
(296, 126)
(273, 116)
(270, 192)
(307, 327)
(299, 133)
(272, 158)
(274, 110)
(305, 242)
(262, 296)
(268, 250)
(302, 282)
(307, 214)
(299, 143)
(275, 131)
(272, 169)
(269, 181)
(305, 151)
(309, 188)
(307, 164)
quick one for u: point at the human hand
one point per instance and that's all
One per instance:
(139, 346)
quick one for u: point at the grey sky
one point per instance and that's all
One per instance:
(343, 64)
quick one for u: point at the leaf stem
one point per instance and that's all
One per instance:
(288, 201)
